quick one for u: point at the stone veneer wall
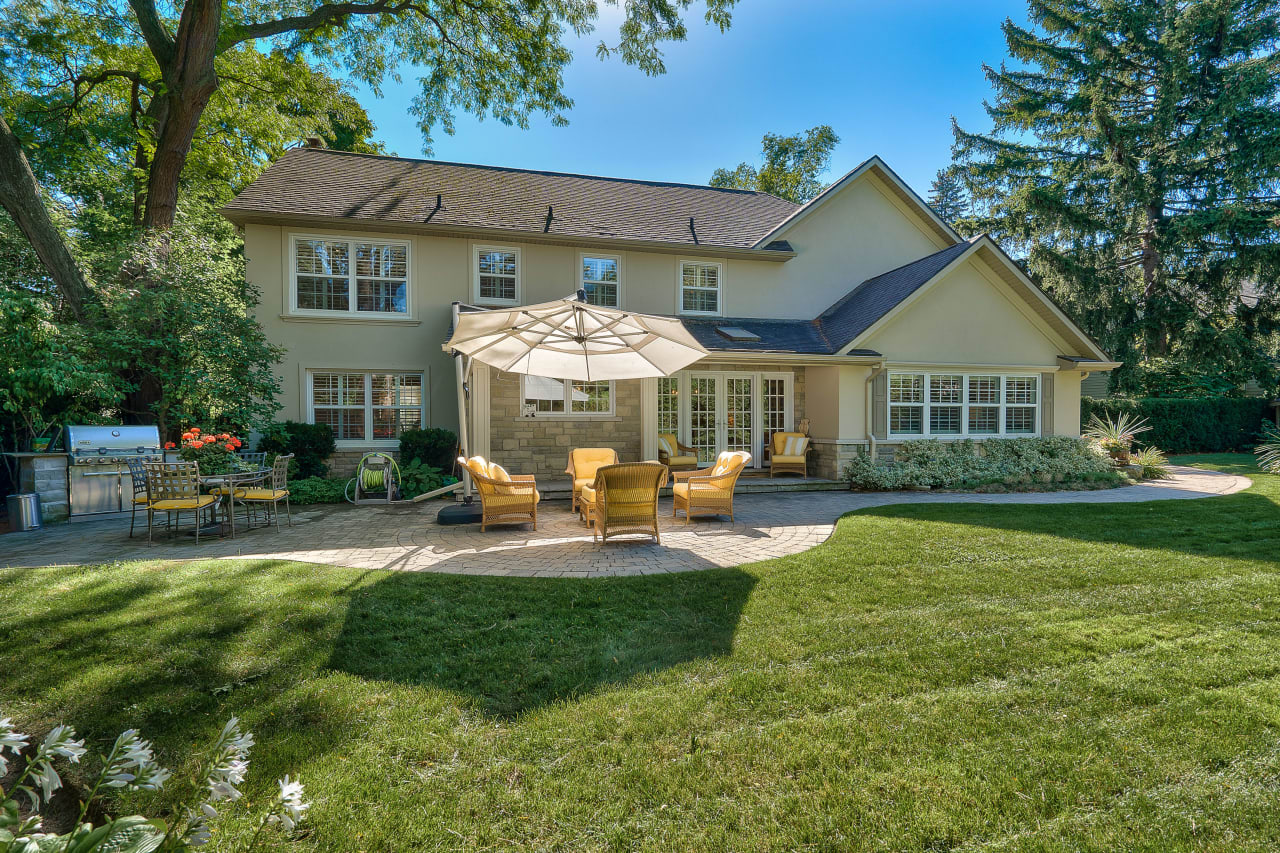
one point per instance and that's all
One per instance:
(541, 445)
(45, 474)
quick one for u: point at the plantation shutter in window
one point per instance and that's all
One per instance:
(1046, 404)
(880, 405)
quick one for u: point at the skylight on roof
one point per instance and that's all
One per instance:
(737, 333)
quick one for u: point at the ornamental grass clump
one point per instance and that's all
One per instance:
(994, 465)
(1115, 435)
(1153, 462)
(131, 765)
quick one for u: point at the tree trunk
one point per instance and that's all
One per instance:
(190, 81)
(1157, 338)
(20, 196)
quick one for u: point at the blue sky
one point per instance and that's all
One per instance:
(887, 76)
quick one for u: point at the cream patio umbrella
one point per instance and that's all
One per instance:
(567, 339)
(571, 339)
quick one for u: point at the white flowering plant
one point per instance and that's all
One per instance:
(130, 765)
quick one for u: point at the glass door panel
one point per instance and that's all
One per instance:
(739, 409)
(704, 412)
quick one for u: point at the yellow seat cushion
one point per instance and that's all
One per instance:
(786, 460)
(140, 500)
(588, 494)
(184, 503)
(261, 494)
(681, 490)
(682, 460)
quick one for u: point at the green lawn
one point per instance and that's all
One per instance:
(942, 677)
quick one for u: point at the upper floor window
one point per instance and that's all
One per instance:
(700, 287)
(496, 275)
(943, 404)
(602, 280)
(337, 275)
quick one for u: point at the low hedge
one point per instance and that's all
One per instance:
(310, 444)
(1191, 425)
(316, 490)
(996, 465)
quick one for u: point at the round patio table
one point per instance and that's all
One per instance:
(230, 483)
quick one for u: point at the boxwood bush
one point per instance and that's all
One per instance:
(310, 444)
(1188, 425)
(316, 490)
(993, 465)
(432, 446)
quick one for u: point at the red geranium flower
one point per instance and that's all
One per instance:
(224, 437)
(169, 445)
(230, 446)
(196, 430)
(186, 436)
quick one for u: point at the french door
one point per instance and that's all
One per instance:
(722, 413)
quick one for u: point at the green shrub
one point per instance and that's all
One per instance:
(418, 478)
(1200, 425)
(310, 444)
(1013, 463)
(316, 490)
(432, 446)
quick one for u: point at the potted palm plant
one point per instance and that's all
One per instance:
(1115, 435)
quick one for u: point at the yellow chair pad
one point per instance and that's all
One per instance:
(140, 500)
(588, 494)
(261, 494)
(682, 460)
(787, 460)
(184, 503)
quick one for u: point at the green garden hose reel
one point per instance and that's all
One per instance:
(377, 479)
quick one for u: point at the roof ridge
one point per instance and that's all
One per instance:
(547, 172)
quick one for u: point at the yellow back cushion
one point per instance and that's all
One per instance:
(587, 459)
(497, 472)
(668, 442)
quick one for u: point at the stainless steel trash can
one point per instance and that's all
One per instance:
(24, 512)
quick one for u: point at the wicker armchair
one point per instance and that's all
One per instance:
(583, 464)
(624, 499)
(174, 488)
(789, 454)
(674, 454)
(710, 490)
(504, 498)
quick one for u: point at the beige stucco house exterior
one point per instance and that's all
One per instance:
(861, 313)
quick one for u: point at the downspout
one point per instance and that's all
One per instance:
(869, 404)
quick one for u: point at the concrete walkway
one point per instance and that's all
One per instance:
(408, 539)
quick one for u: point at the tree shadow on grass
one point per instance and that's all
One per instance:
(517, 644)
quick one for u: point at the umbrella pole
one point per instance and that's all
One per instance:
(464, 440)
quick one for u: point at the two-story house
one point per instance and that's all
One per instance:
(860, 312)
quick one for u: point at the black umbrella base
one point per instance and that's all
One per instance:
(463, 513)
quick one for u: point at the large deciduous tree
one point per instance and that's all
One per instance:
(503, 58)
(1135, 161)
(792, 166)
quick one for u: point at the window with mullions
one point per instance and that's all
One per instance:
(601, 280)
(953, 404)
(334, 275)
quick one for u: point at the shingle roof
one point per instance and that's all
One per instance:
(877, 296)
(324, 183)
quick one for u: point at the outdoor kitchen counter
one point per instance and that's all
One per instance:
(46, 475)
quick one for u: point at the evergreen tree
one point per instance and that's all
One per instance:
(947, 196)
(792, 167)
(1135, 160)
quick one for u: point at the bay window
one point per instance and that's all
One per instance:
(956, 404)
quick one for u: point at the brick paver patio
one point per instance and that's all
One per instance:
(407, 538)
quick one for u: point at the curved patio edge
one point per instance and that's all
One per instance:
(401, 538)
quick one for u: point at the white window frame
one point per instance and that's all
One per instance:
(1004, 405)
(352, 289)
(582, 284)
(568, 413)
(476, 249)
(680, 288)
(368, 441)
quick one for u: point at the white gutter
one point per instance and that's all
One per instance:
(870, 427)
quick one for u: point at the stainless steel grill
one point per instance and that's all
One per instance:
(98, 472)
